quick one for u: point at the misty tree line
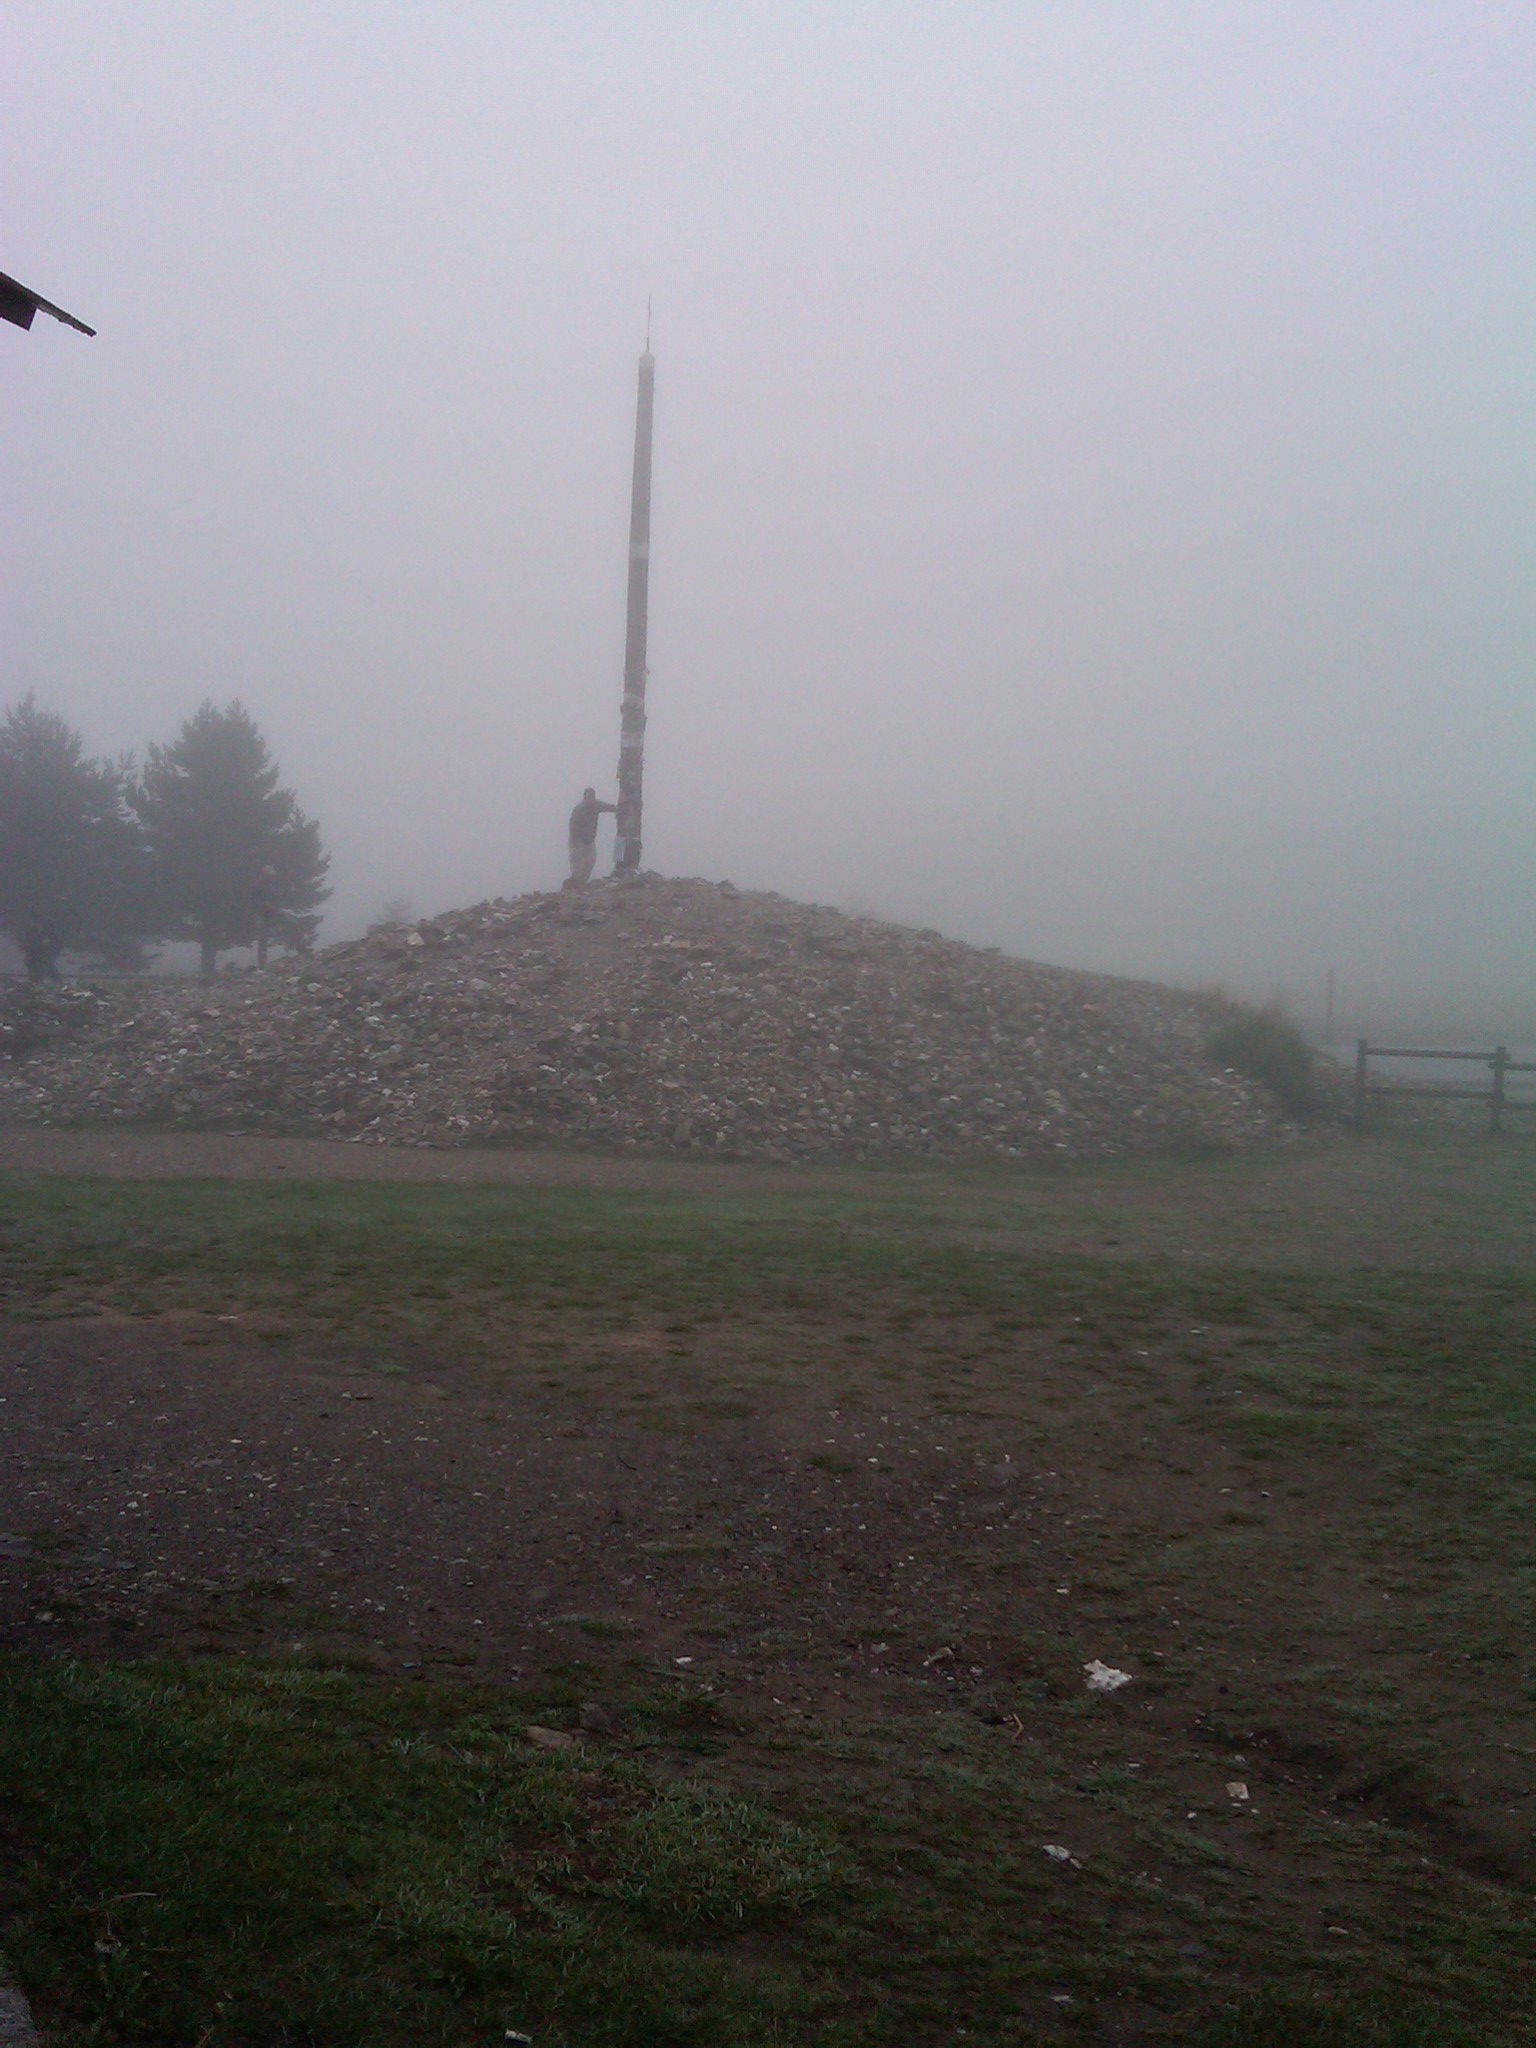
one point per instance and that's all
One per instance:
(104, 858)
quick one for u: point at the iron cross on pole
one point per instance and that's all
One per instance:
(626, 845)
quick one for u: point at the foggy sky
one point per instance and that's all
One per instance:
(1094, 473)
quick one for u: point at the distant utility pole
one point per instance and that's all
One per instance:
(20, 305)
(626, 845)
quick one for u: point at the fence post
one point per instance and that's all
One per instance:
(1499, 1062)
(1360, 1052)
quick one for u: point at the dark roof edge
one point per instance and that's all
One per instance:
(36, 304)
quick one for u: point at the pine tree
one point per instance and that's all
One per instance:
(237, 862)
(74, 870)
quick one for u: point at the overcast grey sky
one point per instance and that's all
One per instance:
(1096, 450)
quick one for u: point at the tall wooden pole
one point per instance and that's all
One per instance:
(626, 847)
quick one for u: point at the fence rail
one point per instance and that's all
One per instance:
(1495, 1095)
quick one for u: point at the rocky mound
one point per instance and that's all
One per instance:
(658, 1014)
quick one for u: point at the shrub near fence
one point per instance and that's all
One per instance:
(1267, 1045)
(1500, 1063)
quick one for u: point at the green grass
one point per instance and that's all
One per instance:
(412, 1253)
(234, 1854)
(239, 1854)
(1355, 2022)
(417, 1257)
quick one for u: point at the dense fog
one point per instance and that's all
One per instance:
(1093, 505)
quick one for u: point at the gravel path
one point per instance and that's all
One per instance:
(126, 1154)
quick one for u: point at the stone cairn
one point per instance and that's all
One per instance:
(646, 1015)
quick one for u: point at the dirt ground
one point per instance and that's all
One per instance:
(822, 1517)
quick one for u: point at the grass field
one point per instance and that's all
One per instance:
(837, 1491)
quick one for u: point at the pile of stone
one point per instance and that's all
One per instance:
(652, 1014)
(39, 1014)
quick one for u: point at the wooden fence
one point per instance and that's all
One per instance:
(1495, 1095)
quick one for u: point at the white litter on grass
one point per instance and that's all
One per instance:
(1104, 1677)
(1058, 1854)
(1237, 1791)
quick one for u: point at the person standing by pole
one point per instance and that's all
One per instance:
(584, 837)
